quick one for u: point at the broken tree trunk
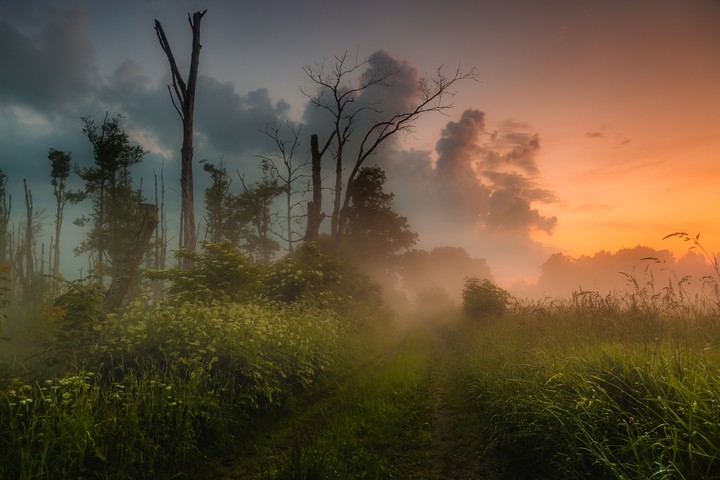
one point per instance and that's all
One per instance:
(314, 215)
(131, 261)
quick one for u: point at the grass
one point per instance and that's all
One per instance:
(380, 425)
(601, 387)
(597, 391)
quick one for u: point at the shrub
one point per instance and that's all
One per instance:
(220, 271)
(317, 278)
(482, 299)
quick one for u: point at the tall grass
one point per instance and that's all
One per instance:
(600, 387)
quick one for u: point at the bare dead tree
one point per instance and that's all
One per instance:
(337, 92)
(182, 95)
(283, 167)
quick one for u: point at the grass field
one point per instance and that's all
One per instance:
(588, 388)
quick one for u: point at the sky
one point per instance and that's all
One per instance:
(592, 126)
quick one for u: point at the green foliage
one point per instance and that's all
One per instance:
(219, 271)
(263, 351)
(374, 231)
(170, 382)
(76, 317)
(483, 299)
(256, 201)
(315, 277)
(116, 213)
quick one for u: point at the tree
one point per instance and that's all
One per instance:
(217, 199)
(374, 231)
(184, 93)
(5, 207)
(60, 171)
(283, 168)
(314, 207)
(482, 299)
(27, 250)
(254, 203)
(116, 204)
(339, 94)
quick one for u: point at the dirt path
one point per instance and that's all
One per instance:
(453, 449)
(457, 447)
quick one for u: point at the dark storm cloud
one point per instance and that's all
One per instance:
(232, 122)
(52, 68)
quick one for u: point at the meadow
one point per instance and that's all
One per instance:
(298, 383)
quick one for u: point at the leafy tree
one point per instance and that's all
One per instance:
(374, 231)
(116, 205)
(483, 299)
(254, 203)
(60, 171)
(442, 267)
(76, 314)
(220, 216)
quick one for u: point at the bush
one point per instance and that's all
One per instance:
(220, 271)
(482, 299)
(317, 278)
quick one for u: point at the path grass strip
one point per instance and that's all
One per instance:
(379, 426)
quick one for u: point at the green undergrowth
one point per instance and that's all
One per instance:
(166, 385)
(599, 393)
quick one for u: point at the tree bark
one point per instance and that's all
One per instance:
(131, 262)
(315, 217)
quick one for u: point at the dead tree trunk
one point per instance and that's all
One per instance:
(315, 215)
(184, 93)
(131, 262)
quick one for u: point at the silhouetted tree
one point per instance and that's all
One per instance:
(255, 202)
(184, 103)
(60, 171)
(339, 93)
(374, 231)
(225, 219)
(116, 211)
(287, 172)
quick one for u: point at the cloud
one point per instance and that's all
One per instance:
(478, 173)
(605, 133)
(232, 122)
(53, 69)
(480, 193)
